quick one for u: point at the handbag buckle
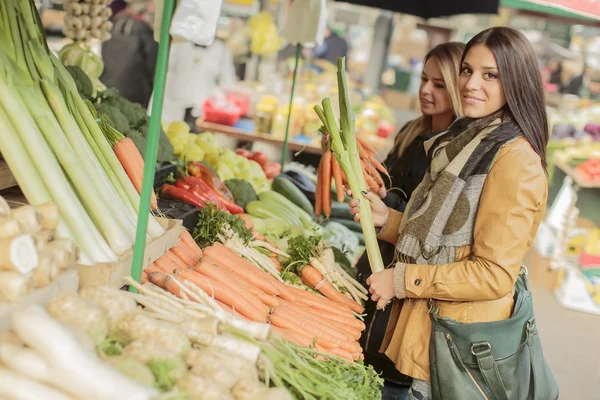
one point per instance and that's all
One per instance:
(478, 345)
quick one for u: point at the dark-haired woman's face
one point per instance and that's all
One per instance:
(479, 83)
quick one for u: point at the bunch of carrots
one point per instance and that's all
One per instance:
(246, 291)
(329, 168)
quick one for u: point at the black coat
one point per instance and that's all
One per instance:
(406, 173)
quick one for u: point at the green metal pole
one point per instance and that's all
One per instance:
(289, 117)
(160, 80)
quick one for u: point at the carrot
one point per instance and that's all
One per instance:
(366, 145)
(289, 324)
(247, 220)
(223, 293)
(165, 264)
(320, 332)
(145, 277)
(158, 278)
(320, 302)
(319, 192)
(326, 188)
(237, 264)
(171, 256)
(350, 323)
(378, 165)
(133, 164)
(368, 178)
(309, 320)
(314, 279)
(266, 299)
(273, 258)
(294, 337)
(210, 270)
(189, 241)
(336, 352)
(184, 256)
(337, 177)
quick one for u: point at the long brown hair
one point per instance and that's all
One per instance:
(521, 81)
(449, 56)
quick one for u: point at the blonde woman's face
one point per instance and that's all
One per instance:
(433, 95)
(479, 83)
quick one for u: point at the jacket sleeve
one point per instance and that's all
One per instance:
(514, 192)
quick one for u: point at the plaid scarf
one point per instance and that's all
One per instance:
(440, 216)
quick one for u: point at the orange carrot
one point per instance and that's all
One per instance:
(273, 258)
(349, 324)
(144, 277)
(158, 278)
(313, 279)
(165, 264)
(319, 192)
(171, 256)
(270, 301)
(368, 178)
(337, 177)
(320, 332)
(320, 302)
(247, 220)
(184, 256)
(335, 352)
(378, 165)
(326, 188)
(366, 145)
(294, 337)
(189, 241)
(133, 163)
(223, 293)
(289, 324)
(310, 321)
(237, 264)
(208, 269)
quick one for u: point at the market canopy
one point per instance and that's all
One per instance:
(582, 9)
(432, 8)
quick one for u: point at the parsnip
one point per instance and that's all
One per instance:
(9, 228)
(14, 286)
(29, 219)
(49, 214)
(18, 254)
(46, 270)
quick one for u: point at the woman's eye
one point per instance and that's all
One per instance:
(490, 75)
(440, 86)
(465, 71)
(423, 79)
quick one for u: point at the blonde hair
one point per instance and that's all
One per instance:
(449, 56)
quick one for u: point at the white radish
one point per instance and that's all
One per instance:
(29, 219)
(49, 214)
(24, 361)
(4, 208)
(72, 369)
(18, 254)
(9, 228)
(14, 386)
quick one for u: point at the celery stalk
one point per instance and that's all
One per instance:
(345, 150)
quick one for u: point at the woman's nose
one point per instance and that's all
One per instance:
(474, 83)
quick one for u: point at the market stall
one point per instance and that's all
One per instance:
(103, 297)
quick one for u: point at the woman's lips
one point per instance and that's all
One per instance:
(471, 100)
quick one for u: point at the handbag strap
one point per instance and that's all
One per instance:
(489, 369)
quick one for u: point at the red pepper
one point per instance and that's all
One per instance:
(183, 195)
(204, 196)
(182, 185)
(202, 185)
(201, 171)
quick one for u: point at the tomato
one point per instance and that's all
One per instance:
(272, 169)
(260, 158)
(243, 152)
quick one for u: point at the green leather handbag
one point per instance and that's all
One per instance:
(499, 360)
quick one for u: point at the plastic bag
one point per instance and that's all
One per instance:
(306, 22)
(196, 21)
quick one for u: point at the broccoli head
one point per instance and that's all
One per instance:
(242, 191)
(113, 116)
(136, 115)
(85, 88)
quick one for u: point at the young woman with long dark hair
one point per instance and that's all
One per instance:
(468, 225)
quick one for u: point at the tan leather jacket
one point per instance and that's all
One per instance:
(478, 287)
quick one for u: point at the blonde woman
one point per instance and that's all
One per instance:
(407, 163)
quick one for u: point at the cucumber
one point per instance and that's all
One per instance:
(340, 211)
(279, 200)
(292, 193)
(350, 224)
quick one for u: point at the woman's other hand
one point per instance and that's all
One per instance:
(379, 210)
(381, 287)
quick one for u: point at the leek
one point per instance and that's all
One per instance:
(345, 150)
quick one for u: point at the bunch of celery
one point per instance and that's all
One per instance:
(54, 146)
(345, 150)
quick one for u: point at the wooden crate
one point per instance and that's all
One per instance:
(112, 274)
(7, 179)
(67, 282)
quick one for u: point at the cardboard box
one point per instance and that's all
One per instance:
(112, 274)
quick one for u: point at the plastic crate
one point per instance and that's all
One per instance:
(220, 116)
(172, 209)
(163, 171)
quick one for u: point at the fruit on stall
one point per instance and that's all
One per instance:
(590, 170)
(270, 168)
